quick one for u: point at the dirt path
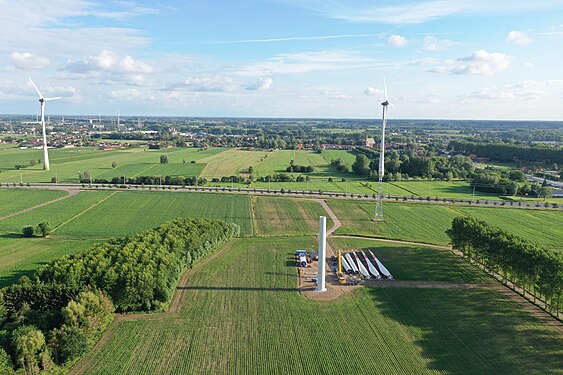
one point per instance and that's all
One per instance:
(71, 193)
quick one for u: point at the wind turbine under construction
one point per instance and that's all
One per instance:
(43, 100)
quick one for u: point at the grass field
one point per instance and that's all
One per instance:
(14, 200)
(91, 217)
(231, 162)
(21, 256)
(218, 162)
(427, 223)
(415, 262)
(66, 163)
(241, 314)
(283, 217)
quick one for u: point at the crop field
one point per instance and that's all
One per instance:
(279, 160)
(125, 213)
(66, 163)
(348, 156)
(241, 314)
(282, 217)
(14, 200)
(231, 162)
(112, 214)
(427, 223)
(94, 216)
(21, 256)
(414, 262)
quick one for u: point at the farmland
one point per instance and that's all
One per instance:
(427, 223)
(241, 313)
(91, 217)
(216, 162)
(16, 200)
(278, 216)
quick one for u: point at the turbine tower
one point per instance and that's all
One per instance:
(43, 100)
(381, 171)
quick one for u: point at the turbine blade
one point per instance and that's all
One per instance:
(35, 87)
(55, 98)
(385, 85)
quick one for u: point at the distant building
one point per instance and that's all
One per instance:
(369, 142)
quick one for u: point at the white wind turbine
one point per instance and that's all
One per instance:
(379, 201)
(42, 100)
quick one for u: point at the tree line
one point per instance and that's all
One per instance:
(525, 264)
(58, 315)
(509, 151)
(405, 165)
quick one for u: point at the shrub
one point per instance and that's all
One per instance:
(28, 231)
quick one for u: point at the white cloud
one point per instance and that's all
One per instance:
(518, 37)
(28, 61)
(431, 43)
(214, 83)
(372, 91)
(494, 93)
(528, 65)
(110, 62)
(125, 94)
(397, 41)
(413, 12)
(555, 82)
(305, 62)
(262, 83)
(480, 63)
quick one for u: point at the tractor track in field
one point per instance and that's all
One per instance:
(71, 193)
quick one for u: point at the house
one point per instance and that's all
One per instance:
(369, 142)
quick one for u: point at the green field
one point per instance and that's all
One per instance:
(428, 223)
(21, 256)
(91, 217)
(66, 163)
(231, 162)
(283, 217)
(219, 162)
(241, 314)
(414, 262)
(14, 200)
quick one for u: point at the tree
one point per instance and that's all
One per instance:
(44, 228)
(361, 165)
(69, 342)
(250, 169)
(28, 231)
(545, 192)
(114, 164)
(6, 365)
(163, 159)
(28, 343)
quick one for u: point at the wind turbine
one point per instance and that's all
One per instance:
(379, 201)
(43, 100)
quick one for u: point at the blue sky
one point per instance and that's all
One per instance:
(458, 59)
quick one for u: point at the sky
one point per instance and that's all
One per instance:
(442, 59)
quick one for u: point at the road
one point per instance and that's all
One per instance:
(295, 194)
